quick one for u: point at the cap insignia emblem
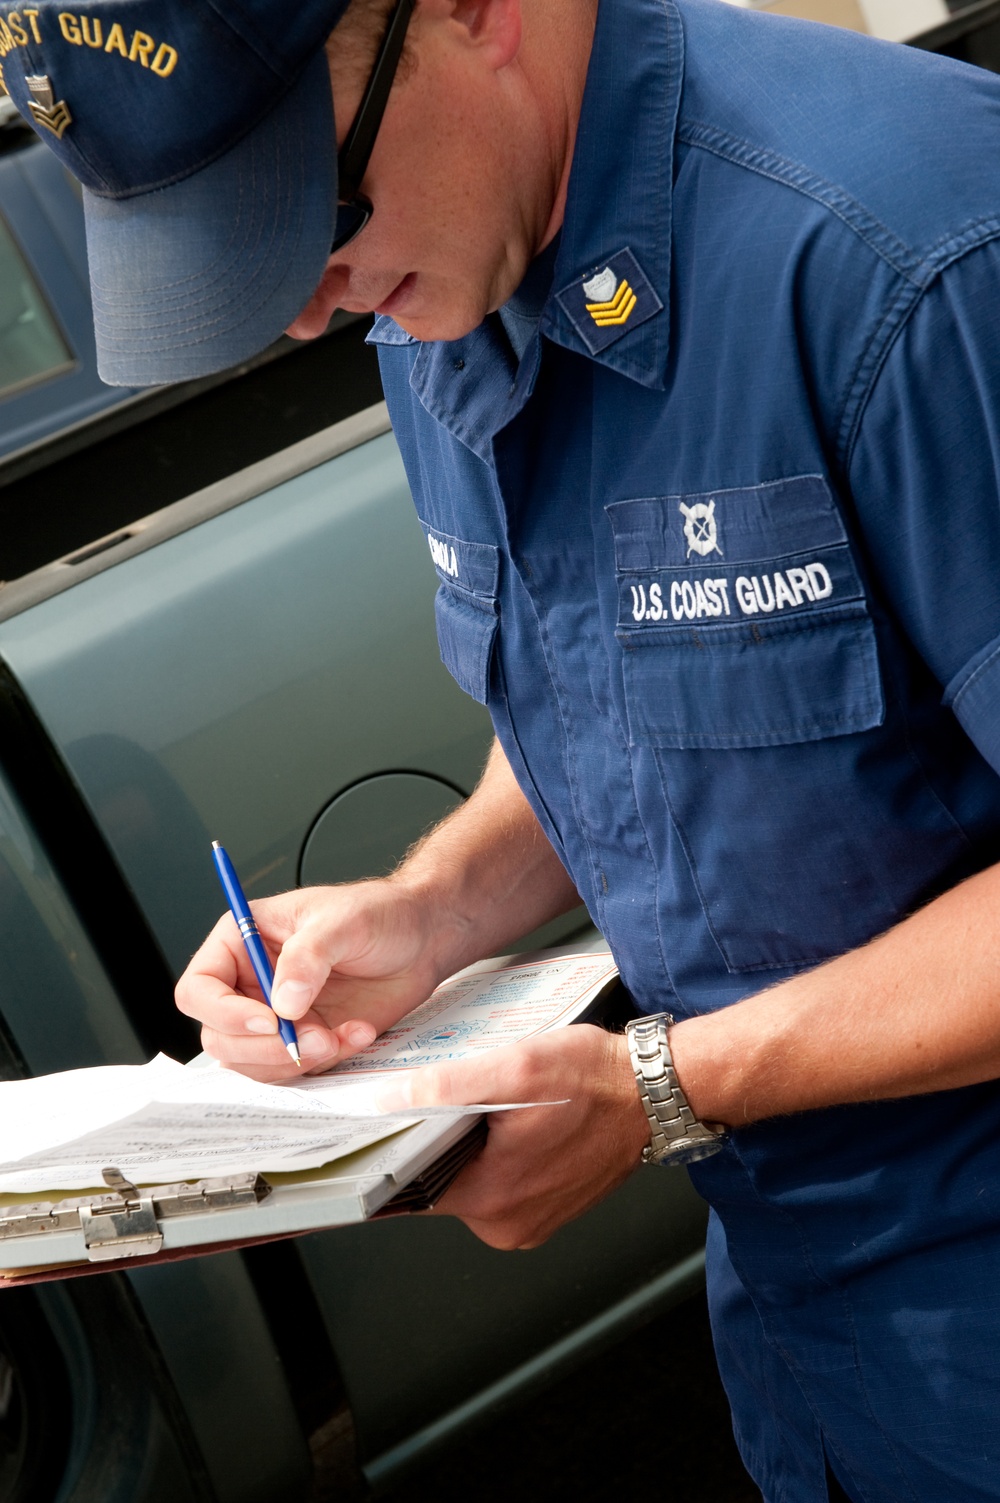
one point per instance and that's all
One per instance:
(43, 106)
(613, 301)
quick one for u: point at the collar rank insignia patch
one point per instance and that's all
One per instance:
(615, 305)
(609, 301)
(44, 109)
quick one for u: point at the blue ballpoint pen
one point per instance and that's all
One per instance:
(259, 959)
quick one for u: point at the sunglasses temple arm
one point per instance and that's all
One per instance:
(357, 148)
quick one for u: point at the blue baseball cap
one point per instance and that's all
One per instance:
(203, 134)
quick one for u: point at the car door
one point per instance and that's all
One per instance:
(257, 663)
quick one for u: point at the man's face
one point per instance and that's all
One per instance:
(461, 187)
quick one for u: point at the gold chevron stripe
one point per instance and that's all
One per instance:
(613, 304)
(604, 320)
(56, 120)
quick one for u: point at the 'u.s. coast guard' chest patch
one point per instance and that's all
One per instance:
(609, 300)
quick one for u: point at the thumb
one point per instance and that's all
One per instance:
(428, 1085)
(484, 1084)
(300, 974)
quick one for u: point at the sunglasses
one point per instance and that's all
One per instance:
(353, 209)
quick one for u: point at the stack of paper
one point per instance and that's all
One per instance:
(164, 1121)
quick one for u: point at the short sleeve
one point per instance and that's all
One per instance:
(925, 478)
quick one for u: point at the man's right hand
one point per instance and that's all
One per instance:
(350, 961)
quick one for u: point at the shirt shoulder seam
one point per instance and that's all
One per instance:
(907, 262)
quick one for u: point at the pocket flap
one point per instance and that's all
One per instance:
(472, 567)
(741, 526)
(741, 688)
(466, 628)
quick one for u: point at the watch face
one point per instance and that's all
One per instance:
(687, 1151)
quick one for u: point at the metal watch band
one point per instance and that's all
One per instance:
(676, 1134)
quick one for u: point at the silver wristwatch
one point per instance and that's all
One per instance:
(676, 1135)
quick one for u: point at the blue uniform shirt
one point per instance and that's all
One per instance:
(721, 552)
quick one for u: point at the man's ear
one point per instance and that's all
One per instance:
(493, 27)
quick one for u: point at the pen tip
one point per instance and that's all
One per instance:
(216, 846)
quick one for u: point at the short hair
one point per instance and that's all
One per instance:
(358, 36)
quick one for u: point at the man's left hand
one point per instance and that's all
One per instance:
(541, 1166)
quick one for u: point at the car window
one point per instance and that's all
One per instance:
(31, 346)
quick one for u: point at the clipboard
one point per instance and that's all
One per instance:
(95, 1231)
(65, 1235)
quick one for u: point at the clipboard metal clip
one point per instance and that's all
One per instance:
(122, 1225)
(127, 1222)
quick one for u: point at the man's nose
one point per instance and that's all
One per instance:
(316, 314)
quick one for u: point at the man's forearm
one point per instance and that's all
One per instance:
(488, 871)
(916, 1010)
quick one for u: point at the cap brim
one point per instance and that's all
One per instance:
(199, 276)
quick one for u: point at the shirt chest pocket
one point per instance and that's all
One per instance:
(466, 607)
(742, 619)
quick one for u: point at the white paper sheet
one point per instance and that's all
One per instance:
(163, 1122)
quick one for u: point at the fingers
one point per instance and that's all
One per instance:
(266, 1057)
(346, 967)
(219, 986)
(220, 990)
(249, 1042)
(321, 1046)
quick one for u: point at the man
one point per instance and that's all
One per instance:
(689, 331)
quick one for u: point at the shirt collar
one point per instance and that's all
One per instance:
(618, 206)
(617, 221)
